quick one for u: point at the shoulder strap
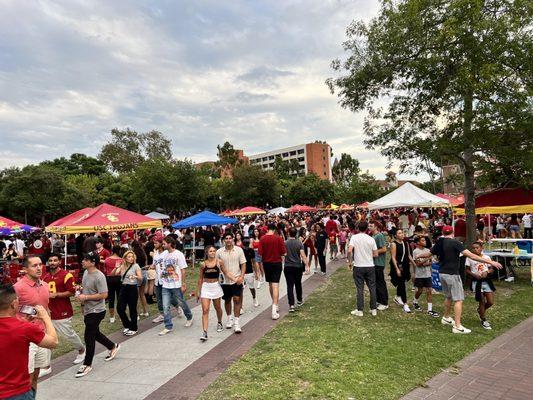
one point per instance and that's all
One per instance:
(125, 273)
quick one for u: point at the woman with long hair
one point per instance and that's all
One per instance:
(141, 260)
(209, 288)
(130, 277)
(258, 264)
(400, 272)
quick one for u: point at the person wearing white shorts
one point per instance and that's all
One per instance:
(209, 288)
(39, 357)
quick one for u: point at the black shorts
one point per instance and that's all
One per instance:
(231, 291)
(272, 271)
(423, 282)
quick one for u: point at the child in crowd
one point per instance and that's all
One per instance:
(423, 260)
(343, 236)
(333, 248)
(482, 284)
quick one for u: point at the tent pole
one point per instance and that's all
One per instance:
(65, 265)
(193, 245)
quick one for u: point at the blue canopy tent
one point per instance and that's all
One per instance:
(205, 218)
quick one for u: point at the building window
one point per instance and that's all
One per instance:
(325, 173)
(293, 153)
(324, 158)
(323, 150)
(285, 154)
(271, 157)
(301, 151)
(301, 159)
(324, 166)
(265, 158)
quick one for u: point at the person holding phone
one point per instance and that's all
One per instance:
(16, 336)
(33, 291)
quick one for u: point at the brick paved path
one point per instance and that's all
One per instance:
(502, 369)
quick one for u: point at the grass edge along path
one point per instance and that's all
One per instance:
(322, 352)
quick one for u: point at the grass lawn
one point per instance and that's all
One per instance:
(322, 352)
(63, 347)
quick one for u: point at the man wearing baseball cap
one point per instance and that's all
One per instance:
(449, 250)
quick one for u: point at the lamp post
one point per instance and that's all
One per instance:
(220, 203)
(281, 200)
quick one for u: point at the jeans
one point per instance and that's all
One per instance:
(93, 335)
(169, 297)
(382, 295)
(321, 260)
(293, 276)
(129, 296)
(362, 275)
(29, 395)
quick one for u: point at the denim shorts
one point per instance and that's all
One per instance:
(485, 288)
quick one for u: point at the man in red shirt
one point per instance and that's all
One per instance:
(272, 249)
(103, 253)
(61, 288)
(16, 335)
(331, 226)
(32, 291)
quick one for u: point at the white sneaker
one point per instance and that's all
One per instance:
(398, 300)
(158, 319)
(382, 307)
(145, 314)
(446, 321)
(125, 330)
(373, 312)
(45, 371)
(510, 279)
(461, 329)
(256, 303)
(83, 370)
(275, 315)
(79, 358)
(242, 311)
(130, 333)
(188, 323)
(237, 328)
(165, 331)
(406, 309)
(229, 324)
(357, 313)
(112, 320)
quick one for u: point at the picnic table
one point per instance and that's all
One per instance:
(499, 255)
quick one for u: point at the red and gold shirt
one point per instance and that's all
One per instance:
(61, 281)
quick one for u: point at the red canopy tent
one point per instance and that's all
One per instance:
(248, 211)
(299, 208)
(454, 201)
(104, 218)
(363, 205)
(503, 201)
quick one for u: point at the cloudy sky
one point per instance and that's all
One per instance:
(201, 72)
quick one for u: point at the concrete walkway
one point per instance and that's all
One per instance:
(148, 364)
(502, 369)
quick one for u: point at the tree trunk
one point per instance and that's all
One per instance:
(470, 182)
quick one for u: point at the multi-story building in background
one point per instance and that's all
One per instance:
(312, 158)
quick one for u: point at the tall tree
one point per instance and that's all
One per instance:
(311, 190)
(457, 77)
(250, 186)
(345, 170)
(77, 164)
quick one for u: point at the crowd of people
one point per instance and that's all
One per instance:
(123, 272)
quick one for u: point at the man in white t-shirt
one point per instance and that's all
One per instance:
(361, 253)
(173, 284)
(528, 233)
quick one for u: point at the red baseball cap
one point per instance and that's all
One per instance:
(447, 229)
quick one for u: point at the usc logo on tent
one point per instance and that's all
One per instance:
(2, 223)
(111, 217)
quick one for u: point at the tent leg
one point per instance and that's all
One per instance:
(193, 246)
(65, 265)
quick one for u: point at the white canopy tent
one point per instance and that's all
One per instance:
(157, 215)
(278, 210)
(408, 195)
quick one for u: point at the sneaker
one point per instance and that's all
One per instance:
(510, 279)
(398, 300)
(203, 338)
(130, 333)
(446, 321)
(485, 324)
(259, 284)
(256, 303)
(299, 303)
(188, 323)
(229, 324)
(373, 312)
(417, 307)
(292, 309)
(145, 314)
(158, 319)
(124, 331)
(165, 331)
(461, 329)
(83, 370)
(322, 273)
(275, 315)
(357, 313)
(220, 327)
(237, 328)
(46, 371)
(112, 320)
(433, 314)
(382, 307)
(79, 358)
(242, 311)
(406, 309)
(112, 353)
